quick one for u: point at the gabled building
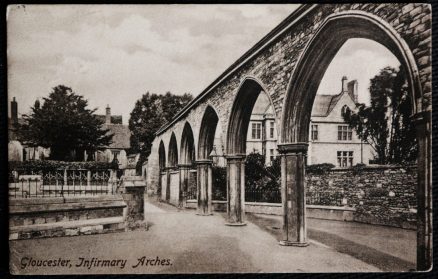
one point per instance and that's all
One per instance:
(331, 140)
(120, 141)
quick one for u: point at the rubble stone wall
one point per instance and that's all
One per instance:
(382, 195)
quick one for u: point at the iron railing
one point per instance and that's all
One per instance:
(191, 194)
(274, 196)
(62, 182)
(263, 195)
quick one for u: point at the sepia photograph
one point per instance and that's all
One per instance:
(219, 138)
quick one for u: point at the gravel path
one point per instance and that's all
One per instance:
(180, 242)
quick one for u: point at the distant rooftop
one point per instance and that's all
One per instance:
(121, 135)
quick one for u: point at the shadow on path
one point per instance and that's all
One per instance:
(381, 260)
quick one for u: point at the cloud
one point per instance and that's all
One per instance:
(112, 54)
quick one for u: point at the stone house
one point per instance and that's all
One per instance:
(120, 141)
(262, 133)
(330, 138)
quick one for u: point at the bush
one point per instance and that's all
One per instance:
(49, 165)
(219, 183)
(319, 168)
(358, 168)
(258, 176)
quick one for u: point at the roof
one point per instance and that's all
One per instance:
(121, 135)
(324, 104)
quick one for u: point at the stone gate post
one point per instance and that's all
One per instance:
(204, 185)
(293, 161)
(236, 190)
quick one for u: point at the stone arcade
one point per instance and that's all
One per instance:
(288, 64)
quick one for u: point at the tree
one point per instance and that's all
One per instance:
(386, 123)
(64, 124)
(150, 113)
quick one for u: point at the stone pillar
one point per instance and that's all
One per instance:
(424, 192)
(293, 161)
(204, 184)
(167, 192)
(236, 190)
(183, 182)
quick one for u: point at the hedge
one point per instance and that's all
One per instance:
(49, 165)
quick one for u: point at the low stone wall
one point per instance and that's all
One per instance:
(338, 213)
(264, 208)
(312, 211)
(58, 216)
(381, 195)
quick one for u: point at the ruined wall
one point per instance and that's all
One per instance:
(274, 64)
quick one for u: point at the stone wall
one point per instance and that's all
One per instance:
(68, 216)
(380, 195)
(312, 211)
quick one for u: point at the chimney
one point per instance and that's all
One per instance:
(352, 90)
(108, 115)
(344, 84)
(14, 111)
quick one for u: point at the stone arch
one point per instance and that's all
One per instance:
(297, 106)
(318, 54)
(187, 152)
(207, 132)
(162, 175)
(161, 156)
(172, 156)
(243, 104)
(236, 136)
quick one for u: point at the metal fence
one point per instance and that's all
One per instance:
(274, 196)
(191, 194)
(62, 182)
(263, 195)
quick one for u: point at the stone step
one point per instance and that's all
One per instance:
(68, 228)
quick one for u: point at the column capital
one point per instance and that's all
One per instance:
(296, 147)
(171, 168)
(184, 166)
(204, 162)
(234, 156)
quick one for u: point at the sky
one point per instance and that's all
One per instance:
(112, 54)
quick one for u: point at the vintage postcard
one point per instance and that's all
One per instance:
(247, 138)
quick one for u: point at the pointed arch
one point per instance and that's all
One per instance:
(172, 156)
(240, 115)
(319, 53)
(161, 156)
(207, 132)
(187, 146)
